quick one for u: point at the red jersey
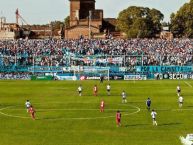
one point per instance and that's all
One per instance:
(118, 116)
(95, 88)
(31, 110)
(102, 103)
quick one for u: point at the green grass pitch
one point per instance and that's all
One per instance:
(64, 118)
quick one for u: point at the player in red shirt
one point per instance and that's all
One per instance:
(118, 118)
(95, 90)
(102, 106)
(32, 112)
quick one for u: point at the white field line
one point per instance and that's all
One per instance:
(182, 109)
(83, 118)
(75, 118)
(8, 115)
(188, 84)
(15, 116)
(68, 109)
(6, 108)
(59, 88)
(49, 109)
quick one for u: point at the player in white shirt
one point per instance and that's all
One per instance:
(80, 90)
(124, 100)
(178, 89)
(153, 115)
(108, 89)
(28, 105)
(180, 100)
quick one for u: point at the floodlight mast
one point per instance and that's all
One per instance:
(19, 16)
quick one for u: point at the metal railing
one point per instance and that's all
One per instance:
(24, 62)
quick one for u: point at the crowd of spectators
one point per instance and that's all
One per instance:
(53, 52)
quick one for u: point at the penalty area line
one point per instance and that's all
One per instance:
(182, 109)
(188, 84)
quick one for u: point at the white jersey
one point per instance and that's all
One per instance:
(27, 104)
(153, 114)
(181, 99)
(178, 88)
(108, 87)
(79, 89)
(123, 95)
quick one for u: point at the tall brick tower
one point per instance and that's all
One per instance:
(79, 9)
(79, 18)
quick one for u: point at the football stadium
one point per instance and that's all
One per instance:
(98, 82)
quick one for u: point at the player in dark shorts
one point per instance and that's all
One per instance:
(148, 104)
(178, 89)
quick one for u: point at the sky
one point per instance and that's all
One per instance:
(44, 11)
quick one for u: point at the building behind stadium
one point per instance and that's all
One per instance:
(87, 21)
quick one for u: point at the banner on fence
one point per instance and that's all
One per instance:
(45, 69)
(41, 77)
(163, 69)
(66, 77)
(174, 76)
(135, 77)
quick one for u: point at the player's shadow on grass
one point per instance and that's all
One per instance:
(169, 124)
(133, 125)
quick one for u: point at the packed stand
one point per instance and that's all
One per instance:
(25, 53)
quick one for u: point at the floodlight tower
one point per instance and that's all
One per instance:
(17, 16)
